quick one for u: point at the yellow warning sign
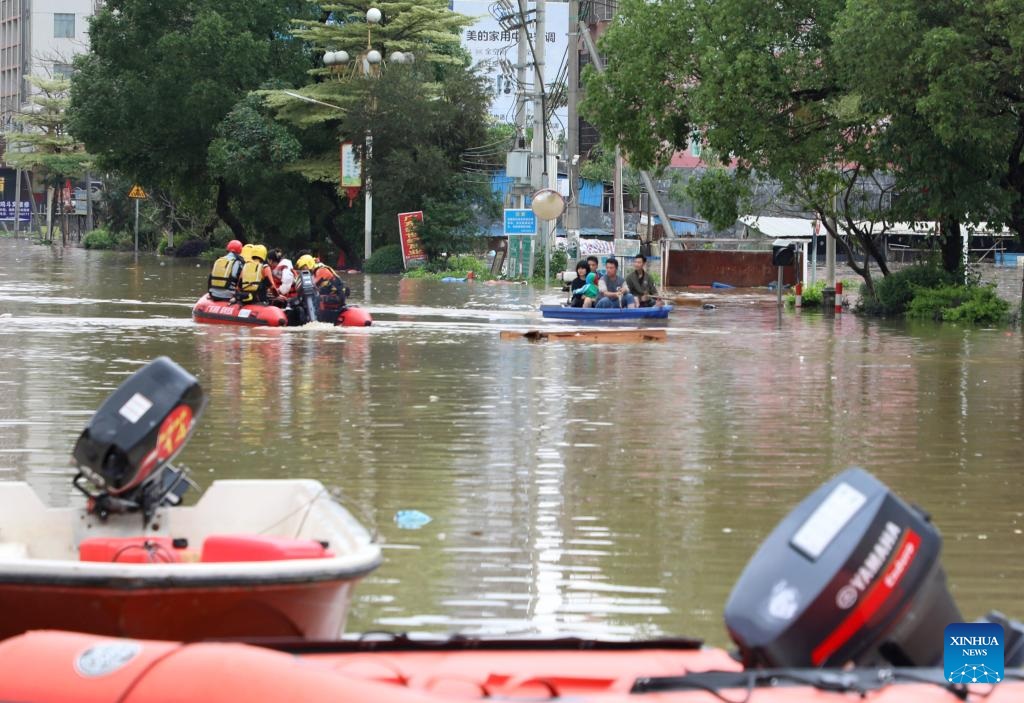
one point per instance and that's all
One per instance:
(137, 192)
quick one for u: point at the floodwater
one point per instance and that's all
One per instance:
(599, 489)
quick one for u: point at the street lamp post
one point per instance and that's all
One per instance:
(371, 62)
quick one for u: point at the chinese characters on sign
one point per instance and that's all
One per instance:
(407, 224)
(351, 168)
(7, 211)
(494, 51)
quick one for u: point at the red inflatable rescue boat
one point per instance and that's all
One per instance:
(219, 312)
(65, 666)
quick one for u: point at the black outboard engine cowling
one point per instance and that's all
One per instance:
(851, 575)
(308, 298)
(138, 430)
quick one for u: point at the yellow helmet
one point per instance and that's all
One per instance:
(306, 262)
(247, 252)
(259, 251)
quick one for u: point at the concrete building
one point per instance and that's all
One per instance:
(38, 37)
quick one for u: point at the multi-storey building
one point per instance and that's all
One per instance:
(38, 37)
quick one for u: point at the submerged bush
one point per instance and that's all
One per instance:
(894, 292)
(191, 249)
(813, 294)
(454, 266)
(977, 305)
(99, 239)
(387, 259)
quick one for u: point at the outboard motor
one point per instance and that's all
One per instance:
(308, 298)
(851, 575)
(125, 450)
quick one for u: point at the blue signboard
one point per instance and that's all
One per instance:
(7, 211)
(520, 223)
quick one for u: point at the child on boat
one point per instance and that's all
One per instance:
(589, 291)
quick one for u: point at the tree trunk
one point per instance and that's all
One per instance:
(952, 245)
(225, 213)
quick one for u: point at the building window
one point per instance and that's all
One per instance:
(63, 25)
(63, 70)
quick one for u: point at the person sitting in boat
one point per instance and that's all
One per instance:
(328, 284)
(594, 263)
(226, 272)
(576, 284)
(257, 281)
(590, 292)
(640, 284)
(283, 272)
(613, 290)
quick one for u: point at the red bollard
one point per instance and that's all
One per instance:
(799, 295)
(839, 296)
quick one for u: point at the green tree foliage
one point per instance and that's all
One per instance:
(423, 116)
(719, 194)
(818, 96)
(944, 98)
(161, 77)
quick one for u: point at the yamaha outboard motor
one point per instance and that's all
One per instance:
(851, 575)
(125, 450)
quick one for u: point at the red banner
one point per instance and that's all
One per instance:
(407, 224)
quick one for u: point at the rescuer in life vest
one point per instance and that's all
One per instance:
(257, 282)
(283, 272)
(329, 285)
(226, 273)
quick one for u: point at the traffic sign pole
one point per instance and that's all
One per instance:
(137, 226)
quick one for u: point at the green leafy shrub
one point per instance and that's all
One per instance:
(454, 266)
(894, 292)
(813, 294)
(559, 263)
(973, 304)
(387, 259)
(99, 239)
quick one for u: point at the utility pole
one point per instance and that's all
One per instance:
(572, 215)
(17, 202)
(522, 61)
(652, 190)
(619, 224)
(539, 172)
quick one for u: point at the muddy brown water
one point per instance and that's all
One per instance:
(602, 489)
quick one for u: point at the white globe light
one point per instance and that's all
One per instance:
(373, 15)
(409, 57)
(547, 204)
(341, 57)
(329, 58)
(397, 57)
(373, 56)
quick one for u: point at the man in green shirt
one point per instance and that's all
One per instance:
(640, 284)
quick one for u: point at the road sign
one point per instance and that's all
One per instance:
(137, 192)
(520, 222)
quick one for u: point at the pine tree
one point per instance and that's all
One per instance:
(43, 145)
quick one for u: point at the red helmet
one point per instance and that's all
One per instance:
(235, 246)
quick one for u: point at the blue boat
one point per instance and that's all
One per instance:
(562, 312)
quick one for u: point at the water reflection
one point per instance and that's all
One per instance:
(608, 489)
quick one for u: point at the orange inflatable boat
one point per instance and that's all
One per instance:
(62, 666)
(219, 312)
